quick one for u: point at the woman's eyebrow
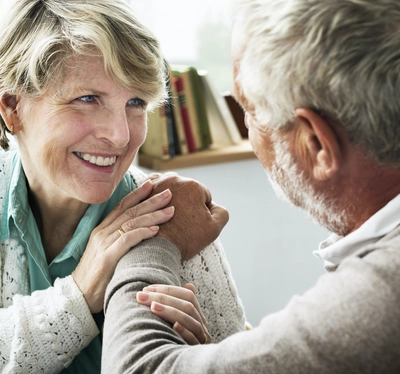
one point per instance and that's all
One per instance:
(89, 89)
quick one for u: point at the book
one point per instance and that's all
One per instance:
(218, 127)
(196, 112)
(178, 81)
(173, 145)
(237, 114)
(222, 124)
(180, 136)
(156, 142)
(199, 101)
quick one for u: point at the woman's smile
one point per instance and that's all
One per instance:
(97, 160)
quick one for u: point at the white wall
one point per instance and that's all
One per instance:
(268, 243)
(4, 4)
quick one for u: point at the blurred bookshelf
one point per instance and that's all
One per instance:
(213, 155)
(198, 125)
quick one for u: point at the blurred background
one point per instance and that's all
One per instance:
(192, 33)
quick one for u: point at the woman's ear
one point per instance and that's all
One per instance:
(320, 143)
(9, 111)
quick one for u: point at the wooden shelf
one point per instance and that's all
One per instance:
(213, 155)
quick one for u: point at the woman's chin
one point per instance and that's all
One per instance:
(98, 197)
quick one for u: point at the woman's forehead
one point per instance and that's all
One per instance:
(87, 75)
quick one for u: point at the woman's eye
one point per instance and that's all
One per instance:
(137, 103)
(87, 99)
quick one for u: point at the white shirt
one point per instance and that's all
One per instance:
(334, 249)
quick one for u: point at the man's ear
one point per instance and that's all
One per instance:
(320, 142)
(9, 111)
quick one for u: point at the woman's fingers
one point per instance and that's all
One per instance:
(145, 214)
(137, 203)
(128, 240)
(132, 199)
(132, 232)
(128, 228)
(157, 201)
(190, 329)
(189, 337)
(157, 176)
(190, 287)
(178, 295)
(186, 335)
(180, 307)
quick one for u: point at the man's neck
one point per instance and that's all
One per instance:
(365, 188)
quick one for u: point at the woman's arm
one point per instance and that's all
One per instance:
(43, 332)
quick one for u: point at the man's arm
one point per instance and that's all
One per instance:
(153, 261)
(342, 325)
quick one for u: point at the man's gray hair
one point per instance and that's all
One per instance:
(340, 58)
(40, 35)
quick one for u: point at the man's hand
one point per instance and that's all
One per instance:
(197, 221)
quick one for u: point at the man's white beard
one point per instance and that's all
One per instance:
(293, 185)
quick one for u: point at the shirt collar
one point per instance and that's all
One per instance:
(335, 248)
(16, 185)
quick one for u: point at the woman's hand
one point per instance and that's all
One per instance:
(131, 221)
(179, 306)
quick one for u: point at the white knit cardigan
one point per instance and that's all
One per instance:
(44, 331)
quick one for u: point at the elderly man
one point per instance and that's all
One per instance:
(320, 83)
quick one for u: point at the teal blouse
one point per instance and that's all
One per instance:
(17, 212)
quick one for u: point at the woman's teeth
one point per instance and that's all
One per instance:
(97, 160)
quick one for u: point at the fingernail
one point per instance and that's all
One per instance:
(149, 289)
(169, 210)
(154, 228)
(142, 296)
(165, 193)
(157, 307)
(177, 327)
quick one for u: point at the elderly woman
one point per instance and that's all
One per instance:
(76, 80)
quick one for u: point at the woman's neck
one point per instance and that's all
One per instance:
(56, 222)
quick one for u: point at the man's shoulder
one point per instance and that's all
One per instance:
(377, 262)
(387, 247)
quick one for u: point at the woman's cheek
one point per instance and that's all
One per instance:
(142, 131)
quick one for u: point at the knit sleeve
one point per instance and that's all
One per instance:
(216, 290)
(43, 332)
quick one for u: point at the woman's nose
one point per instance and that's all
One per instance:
(115, 129)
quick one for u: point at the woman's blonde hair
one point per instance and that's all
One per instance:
(39, 36)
